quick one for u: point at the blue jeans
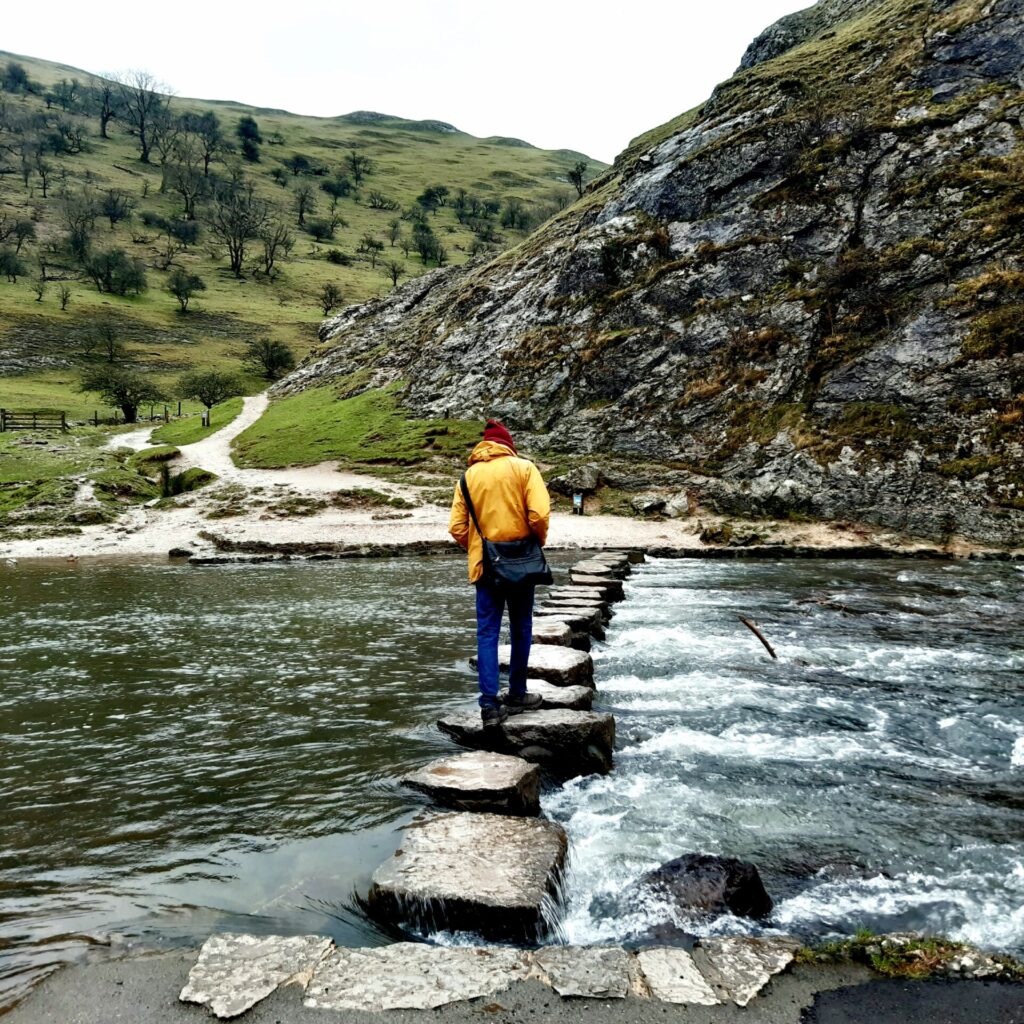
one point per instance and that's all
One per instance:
(490, 605)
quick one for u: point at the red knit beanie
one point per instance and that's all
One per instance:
(497, 431)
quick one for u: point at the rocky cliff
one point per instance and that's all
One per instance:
(805, 298)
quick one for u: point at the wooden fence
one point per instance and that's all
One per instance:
(35, 419)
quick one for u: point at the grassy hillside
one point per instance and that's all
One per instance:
(41, 344)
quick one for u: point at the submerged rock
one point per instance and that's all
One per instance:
(412, 976)
(480, 781)
(491, 874)
(567, 743)
(714, 885)
(234, 972)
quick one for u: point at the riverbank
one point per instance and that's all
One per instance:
(144, 989)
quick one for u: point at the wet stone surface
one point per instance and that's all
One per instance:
(490, 874)
(561, 666)
(480, 781)
(585, 972)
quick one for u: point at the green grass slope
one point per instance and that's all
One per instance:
(40, 342)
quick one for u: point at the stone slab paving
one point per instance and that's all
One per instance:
(673, 977)
(569, 743)
(490, 874)
(585, 972)
(234, 972)
(560, 666)
(739, 968)
(413, 976)
(481, 781)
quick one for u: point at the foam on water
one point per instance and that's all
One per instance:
(870, 772)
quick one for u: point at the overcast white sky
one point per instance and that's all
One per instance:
(558, 73)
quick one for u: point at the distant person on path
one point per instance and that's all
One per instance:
(511, 503)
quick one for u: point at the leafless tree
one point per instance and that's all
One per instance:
(277, 242)
(237, 216)
(394, 269)
(104, 94)
(305, 201)
(141, 101)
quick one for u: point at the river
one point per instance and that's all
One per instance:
(186, 750)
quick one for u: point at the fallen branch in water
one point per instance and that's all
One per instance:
(760, 636)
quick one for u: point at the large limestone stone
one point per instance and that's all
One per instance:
(552, 632)
(567, 743)
(481, 781)
(593, 972)
(234, 972)
(491, 874)
(578, 604)
(561, 666)
(609, 588)
(581, 617)
(569, 698)
(412, 976)
(739, 967)
(601, 567)
(673, 977)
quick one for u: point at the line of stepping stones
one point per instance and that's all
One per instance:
(491, 865)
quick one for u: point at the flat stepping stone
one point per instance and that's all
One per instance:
(568, 743)
(552, 632)
(234, 972)
(579, 621)
(413, 976)
(739, 967)
(594, 567)
(587, 595)
(579, 603)
(561, 666)
(491, 874)
(609, 588)
(481, 781)
(570, 698)
(586, 972)
(673, 977)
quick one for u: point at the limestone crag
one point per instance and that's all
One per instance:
(802, 298)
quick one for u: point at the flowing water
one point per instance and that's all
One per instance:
(187, 750)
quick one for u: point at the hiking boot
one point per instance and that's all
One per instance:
(518, 703)
(493, 716)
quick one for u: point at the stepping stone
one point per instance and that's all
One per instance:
(413, 976)
(635, 557)
(585, 594)
(595, 567)
(578, 620)
(481, 781)
(570, 698)
(552, 632)
(579, 602)
(609, 588)
(673, 977)
(740, 967)
(561, 666)
(588, 972)
(234, 972)
(491, 874)
(568, 743)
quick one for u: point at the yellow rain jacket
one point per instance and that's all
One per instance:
(510, 498)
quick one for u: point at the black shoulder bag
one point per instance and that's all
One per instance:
(510, 563)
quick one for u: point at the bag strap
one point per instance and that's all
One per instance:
(464, 486)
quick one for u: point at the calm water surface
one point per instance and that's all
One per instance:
(188, 750)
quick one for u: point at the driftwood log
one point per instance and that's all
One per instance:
(760, 636)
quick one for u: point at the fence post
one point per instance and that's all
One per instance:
(63, 424)
(179, 409)
(95, 418)
(3, 420)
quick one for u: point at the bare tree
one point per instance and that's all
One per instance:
(358, 166)
(277, 242)
(140, 104)
(104, 97)
(330, 297)
(237, 216)
(64, 294)
(46, 171)
(116, 205)
(185, 176)
(394, 231)
(207, 131)
(305, 201)
(394, 269)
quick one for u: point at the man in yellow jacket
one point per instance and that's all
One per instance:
(511, 502)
